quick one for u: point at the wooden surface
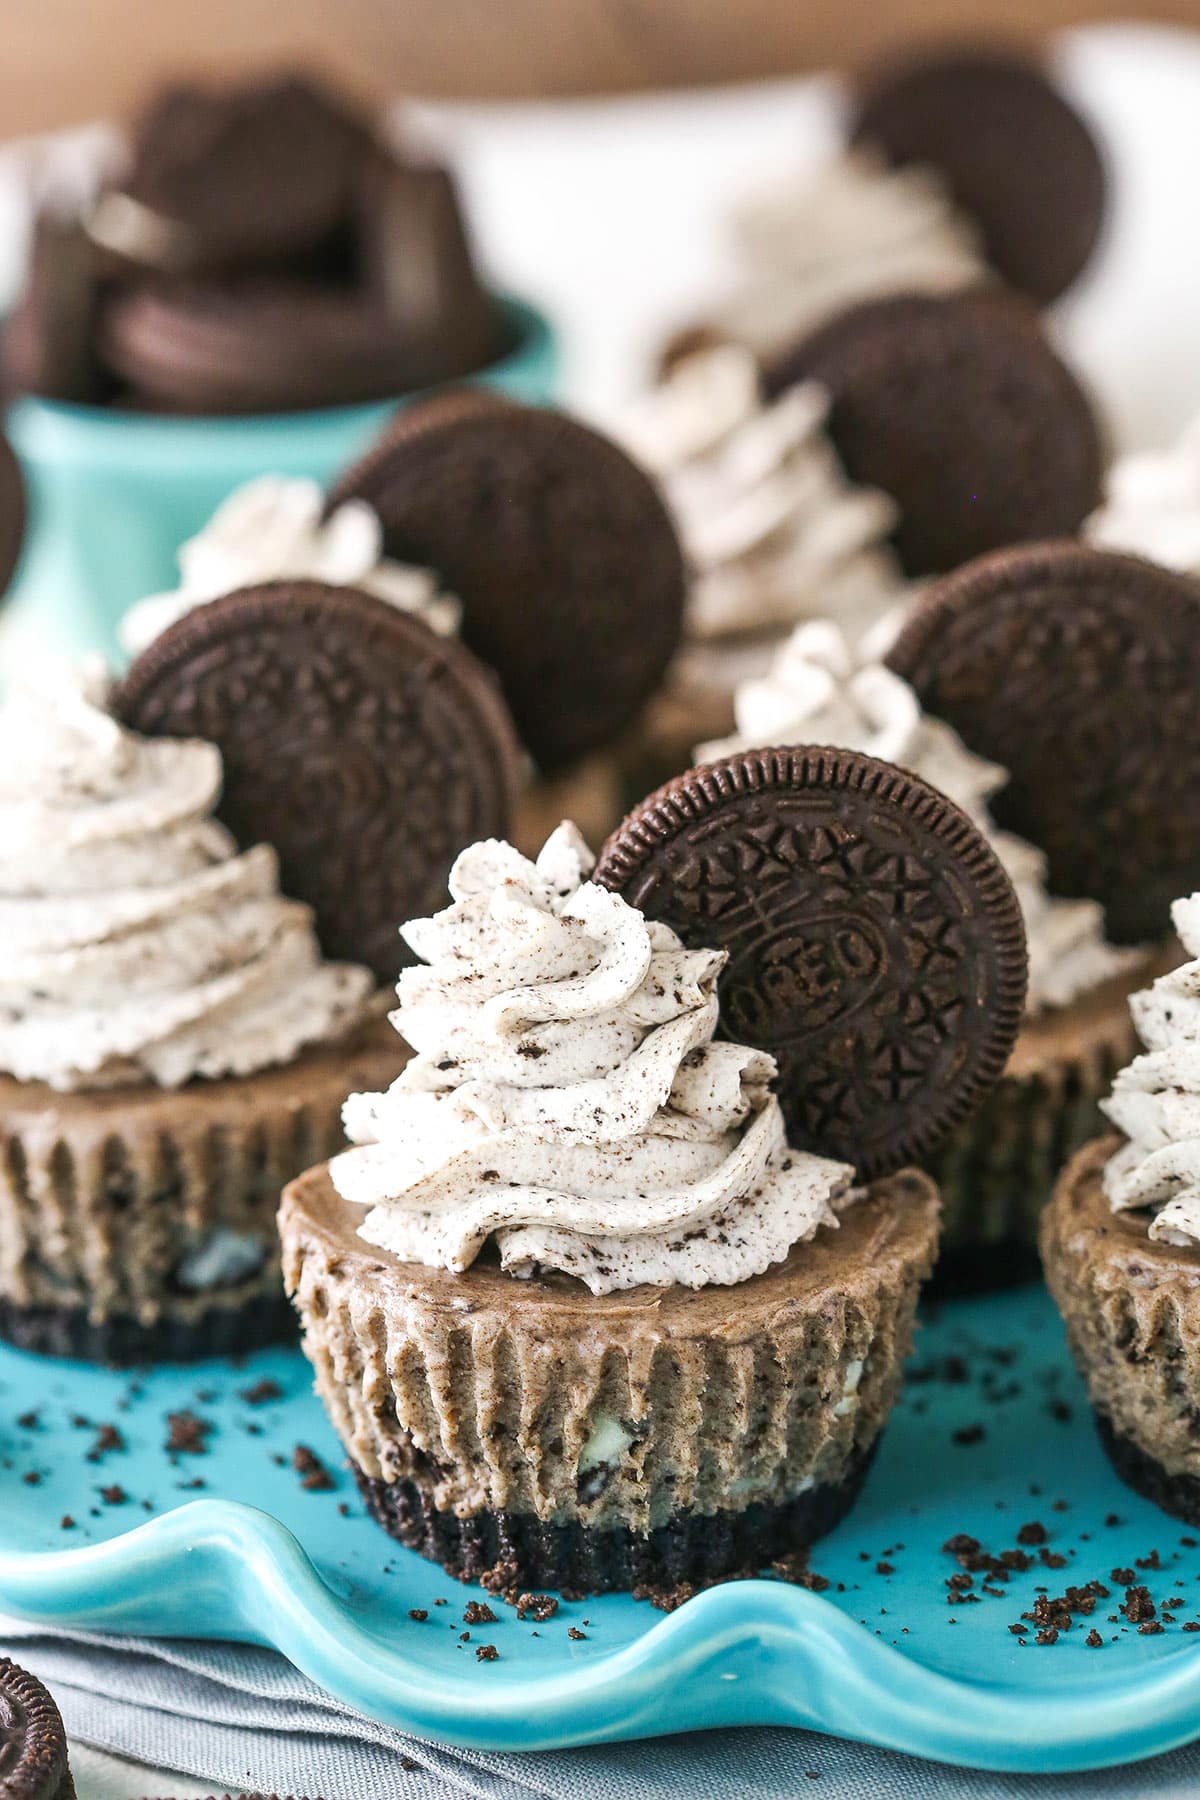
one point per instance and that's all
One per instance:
(69, 60)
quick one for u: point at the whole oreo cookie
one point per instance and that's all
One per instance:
(875, 943)
(1078, 671)
(245, 176)
(264, 345)
(956, 406)
(1014, 154)
(368, 750)
(33, 1743)
(563, 555)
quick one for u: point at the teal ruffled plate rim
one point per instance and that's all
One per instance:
(893, 1660)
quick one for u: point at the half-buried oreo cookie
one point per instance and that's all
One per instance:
(875, 943)
(33, 1743)
(365, 748)
(562, 553)
(957, 407)
(1014, 153)
(1077, 670)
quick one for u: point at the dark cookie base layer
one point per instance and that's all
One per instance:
(1178, 1495)
(506, 1550)
(123, 1342)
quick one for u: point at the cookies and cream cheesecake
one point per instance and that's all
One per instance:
(1121, 1244)
(581, 1308)
(173, 1046)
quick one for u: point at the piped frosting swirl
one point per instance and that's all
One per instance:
(1152, 505)
(817, 242)
(816, 693)
(773, 530)
(1155, 1101)
(136, 944)
(566, 1099)
(275, 528)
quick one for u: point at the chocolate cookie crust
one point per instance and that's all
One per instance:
(691, 1550)
(33, 1743)
(1077, 670)
(956, 406)
(365, 748)
(563, 555)
(1014, 153)
(875, 943)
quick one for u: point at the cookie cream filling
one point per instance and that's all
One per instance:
(853, 229)
(566, 1099)
(817, 693)
(773, 530)
(273, 529)
(1152, 505)
(1156, 1100)
(136, 943)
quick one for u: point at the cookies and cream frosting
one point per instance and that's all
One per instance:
(773, 529)
(850, 230)
(566, 1099)
(816, 693)
(1156, 1100)
(1152, 505)
(275, 528)
(136, 943)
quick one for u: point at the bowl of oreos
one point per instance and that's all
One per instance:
(255, 287)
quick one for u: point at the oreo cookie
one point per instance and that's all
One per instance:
(560, 549)
(957, 407)
(33, 1742)
(263, 345)
(1014, 153)
(48, 344)
(875, 943)
(13, 513)
(1078, 671)
(367, 749)
(252, 175)
(415, 263)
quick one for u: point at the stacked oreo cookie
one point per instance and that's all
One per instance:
(263, 249)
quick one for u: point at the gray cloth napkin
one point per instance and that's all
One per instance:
(243, 1718)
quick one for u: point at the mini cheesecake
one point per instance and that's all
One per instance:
(526, 1433)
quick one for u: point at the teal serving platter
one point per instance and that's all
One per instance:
(992, 1433)
(113, 494)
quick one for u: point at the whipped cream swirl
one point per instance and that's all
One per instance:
(274, 529)
(1152, 505)
(816, 693)
(566, 1098)
(773, 529)
(136, 944)
(1156, 1100)
(853, 229)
